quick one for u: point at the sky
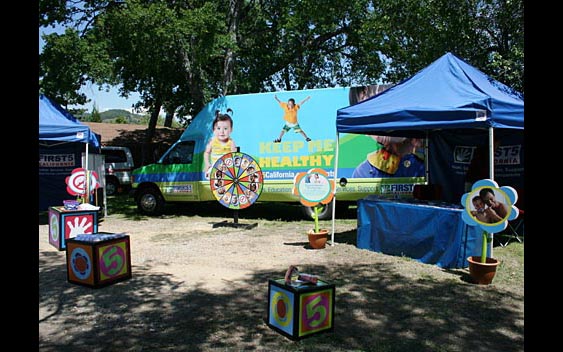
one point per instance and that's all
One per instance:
(107, 100)
(103, 100)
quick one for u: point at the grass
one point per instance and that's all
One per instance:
(125, 206)
(511, 268)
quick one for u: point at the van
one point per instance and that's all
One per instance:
(118, 167)
(179, 175)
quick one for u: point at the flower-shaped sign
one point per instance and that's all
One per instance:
(489, 206)
(313, 187)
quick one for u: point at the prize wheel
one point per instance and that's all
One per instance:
(236, 180)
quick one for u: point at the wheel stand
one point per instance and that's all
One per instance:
(235, 223)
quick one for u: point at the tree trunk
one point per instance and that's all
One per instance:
(228, 66)
(168, 119)
(151, 131)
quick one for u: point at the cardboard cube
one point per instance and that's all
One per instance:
(300, 311)
(65, 224)
(98, 259)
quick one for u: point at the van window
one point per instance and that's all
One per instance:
(182, 153)
(114, 155)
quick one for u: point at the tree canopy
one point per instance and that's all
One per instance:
(178, 55)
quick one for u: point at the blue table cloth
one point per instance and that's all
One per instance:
(430, 232)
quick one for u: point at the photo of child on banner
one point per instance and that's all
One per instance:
(221, 142)
(290, 117)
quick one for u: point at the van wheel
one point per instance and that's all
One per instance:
(326, 210)
(111, 186)
(150, 201)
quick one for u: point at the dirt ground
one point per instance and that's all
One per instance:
(196, 287)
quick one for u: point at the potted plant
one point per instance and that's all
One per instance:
(314, 188)
(482, 269)
(490, 208)
(317, 237)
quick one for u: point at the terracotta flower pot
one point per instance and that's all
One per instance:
(482, 273)
(317, 240)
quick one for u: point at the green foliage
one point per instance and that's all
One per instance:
(300, 44)
(120, 114)
(180, 55)
(120, 119)
(52, 12)
(113, 116)
(165, 52)
(95, 116)
(488, 34)
(62, 66)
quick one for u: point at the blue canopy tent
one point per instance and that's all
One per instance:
(57, 124)
(61, 141)
(447, 94)
(447, 98)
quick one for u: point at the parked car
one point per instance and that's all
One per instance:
(119, 164)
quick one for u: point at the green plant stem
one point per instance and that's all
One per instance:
(484, 248)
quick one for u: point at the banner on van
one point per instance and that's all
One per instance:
(293, 131)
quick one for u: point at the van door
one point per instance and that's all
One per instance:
(183, 173)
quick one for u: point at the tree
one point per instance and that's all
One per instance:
(488, 34)
(502, 29)
(121, 119)
(178, 55)
(66, 64)
(299, 44)
(72, 59)
(95, 115)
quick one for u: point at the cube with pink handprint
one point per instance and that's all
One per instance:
(65, 224)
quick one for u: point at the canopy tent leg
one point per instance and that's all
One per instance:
(491, 171)
(426, 163)
(334, 191)
(87, 174)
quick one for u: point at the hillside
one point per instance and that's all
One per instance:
(116, 116)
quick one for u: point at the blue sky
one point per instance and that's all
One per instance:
(107, 100)
(102, 99)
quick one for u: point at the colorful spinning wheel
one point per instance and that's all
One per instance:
(236, 180)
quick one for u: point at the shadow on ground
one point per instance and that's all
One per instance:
(124, 205)
(376, 309)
